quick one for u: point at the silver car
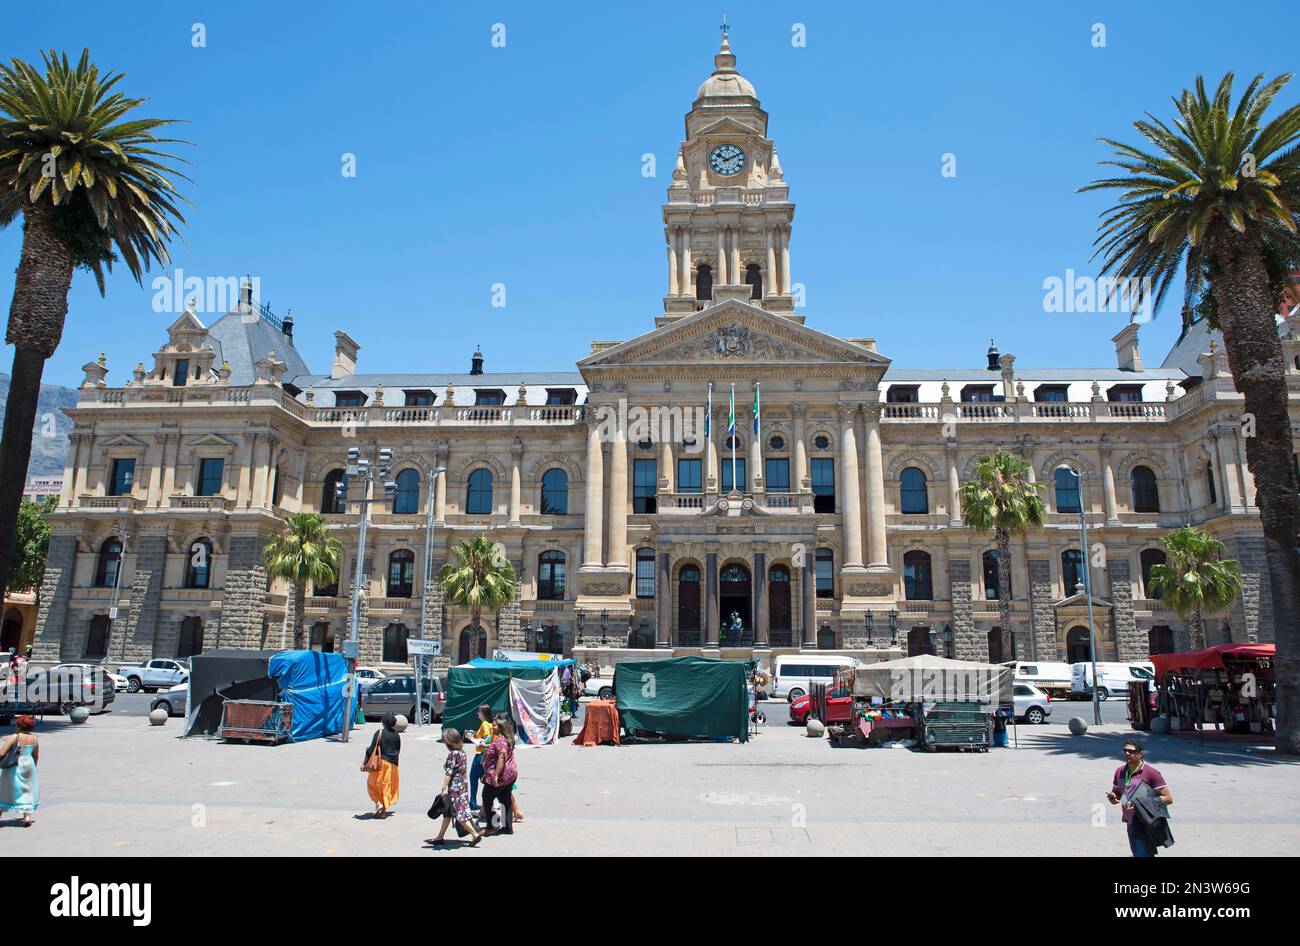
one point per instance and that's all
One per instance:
(174, 701)
(396, 694)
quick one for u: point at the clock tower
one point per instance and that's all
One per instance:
(727, 220)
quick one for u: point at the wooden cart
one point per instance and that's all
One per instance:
(256, 721)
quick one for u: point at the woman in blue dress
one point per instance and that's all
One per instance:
(20, 786)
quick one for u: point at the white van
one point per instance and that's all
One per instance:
(794, 674)
(1113, 678)
(1053, 678)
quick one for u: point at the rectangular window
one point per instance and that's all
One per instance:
(902, 394)
(182, 373)
(825, 569)
(1124, 392)
(645, 573)
(645, 485)
(561, 396)
(1052, 393)
(688, 476)
(489, 398)
(823, 484)
(349, 399)
(419, 398)
(123, 478)
(739, 474)
(210, 474)
(776, 473)
(977, 394)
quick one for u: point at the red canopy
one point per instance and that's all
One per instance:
(1209, 659)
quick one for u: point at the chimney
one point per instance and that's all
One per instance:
(1126, 348)
(993, 357)
(288, 325)
(345, 355)
(476, 362)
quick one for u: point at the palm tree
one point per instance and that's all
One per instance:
(91, 188)
(481, 577)
(1002, 498)
(1218, 195)
(304, 550)
(1195, 578)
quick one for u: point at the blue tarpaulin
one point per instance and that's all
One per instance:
(314, 683)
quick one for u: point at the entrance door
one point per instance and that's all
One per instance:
(472, 645)
(688, 605)
(734, 598)
(778, 598)
(1076, 645)
(12, 635)
(191, 641)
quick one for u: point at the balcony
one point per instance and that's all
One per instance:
(555, 415)
(995, 412)
(679, 504)
(394, 604)
(109, 503)
(207, 504)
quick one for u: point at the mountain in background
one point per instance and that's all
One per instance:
(49, 453)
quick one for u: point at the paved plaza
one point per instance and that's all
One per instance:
(117, 786)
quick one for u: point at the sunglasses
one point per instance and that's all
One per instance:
(1132, 751)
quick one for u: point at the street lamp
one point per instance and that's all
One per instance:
(117, 590)
(870, 620)
(1087, 590)
(604, 622)
(526, 629)
(893, 627)
(366, 473)
(428, 577)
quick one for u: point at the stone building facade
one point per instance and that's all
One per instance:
(634, 526)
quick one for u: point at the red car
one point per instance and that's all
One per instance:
(839, 708)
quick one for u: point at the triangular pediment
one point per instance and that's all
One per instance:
(210, 440)
(727, 125)
(732, 332)
(1081, 601)
(186, 324)
(121, 440)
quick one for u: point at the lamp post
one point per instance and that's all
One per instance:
(526, 631)
(893, 627)
(424, 591)
(366, 473)
(870, 620)
(117, 591)
(1087, 589)
(604, 622)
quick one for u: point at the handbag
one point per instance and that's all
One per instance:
(374, 760)
(10, 759)
(439, 807)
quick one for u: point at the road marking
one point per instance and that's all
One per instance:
(223, 784)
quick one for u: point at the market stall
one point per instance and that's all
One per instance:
(1229, 685)
(688, 697)
(531, 691)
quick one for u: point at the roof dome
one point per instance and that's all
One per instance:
(725, 82)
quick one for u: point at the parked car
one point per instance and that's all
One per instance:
(1032, 704)
(367, 676)
(1113, 678)
(794, 674)
(56, 691)
(159, 674)
(839, 707)
(396, 694)
(174, 700)
(602, 688)
(100, 687)
(1050, 677)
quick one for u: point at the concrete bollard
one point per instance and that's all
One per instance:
(401, 723)
(1078, 725)
(79, 714)
(157, 717)
(815, 728)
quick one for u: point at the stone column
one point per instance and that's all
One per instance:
(78, 459)
(154, 461)
(809, 601)
(800, 410)
(1041, 614)
(1230, 497)
(954, 487)
(720, 277)
(785, 262)
(516, 457)
(243, 603)
(261, 473)
(851, 513)
(593, 519)
(1130, 643)
(140, 625)
(440, 498)
(687, 271)
(1247, 477)
(244, 481)
(664, 603)
(711, 600)
(673, 286)
(56, 592)
(769, 278)
(667, 474)
(733, 270)
(618, 498)
(1108, 479)
(966, 641)
(171, 457)
(759, 584)
(878, 556)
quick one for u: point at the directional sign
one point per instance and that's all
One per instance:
(422, 648)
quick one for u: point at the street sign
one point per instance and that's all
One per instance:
(112, 614)
(351, 650)
(423, 648)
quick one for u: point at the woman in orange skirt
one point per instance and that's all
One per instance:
(382, 783)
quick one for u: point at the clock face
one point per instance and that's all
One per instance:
(727, 160)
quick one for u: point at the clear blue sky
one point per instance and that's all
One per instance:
(522, 165)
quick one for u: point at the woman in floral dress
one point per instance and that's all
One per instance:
(455, 789)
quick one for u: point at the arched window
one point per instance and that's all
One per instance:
(407, 498)
(401, 574)
(645, 573)
(1149, 559)
(917, 584)
(1067, 492)
(555, 493)
(1071, 571)
(704, 282)
(395, 636)
(824, 564)
(1209, 479)
(198, 567)
(479, 501)
(1146, 498)
(993, 578)
(1076, 645)
(911, 485)
(110, 560)
(550, 576)
(330, 503)
(754, 277)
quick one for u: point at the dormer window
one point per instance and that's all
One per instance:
(349, 399)
(561, 396)
(419, 398)
(1124, 392)
(181, 373)
(1052, 393)
(903, 394)
(978, 394)
(489, 397)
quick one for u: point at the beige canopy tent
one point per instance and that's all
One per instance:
(929, 679)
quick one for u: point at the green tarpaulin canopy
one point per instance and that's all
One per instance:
(683, 696)
(488, 681)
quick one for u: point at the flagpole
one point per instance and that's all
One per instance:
(731, 424)
(708, 416)
(756, 455)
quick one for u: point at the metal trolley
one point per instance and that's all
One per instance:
(957, 726)
(256, 721)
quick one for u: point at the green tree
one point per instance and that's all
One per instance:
(92, 186)
(1217, 196)
(1004, 500)
(480, 577)
(1195, 578)
(31, 545)
(304, 550)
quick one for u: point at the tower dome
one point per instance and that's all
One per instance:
(725, 82)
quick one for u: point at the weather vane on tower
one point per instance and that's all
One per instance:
(724, 26)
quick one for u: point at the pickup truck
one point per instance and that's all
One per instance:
(153, 675)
